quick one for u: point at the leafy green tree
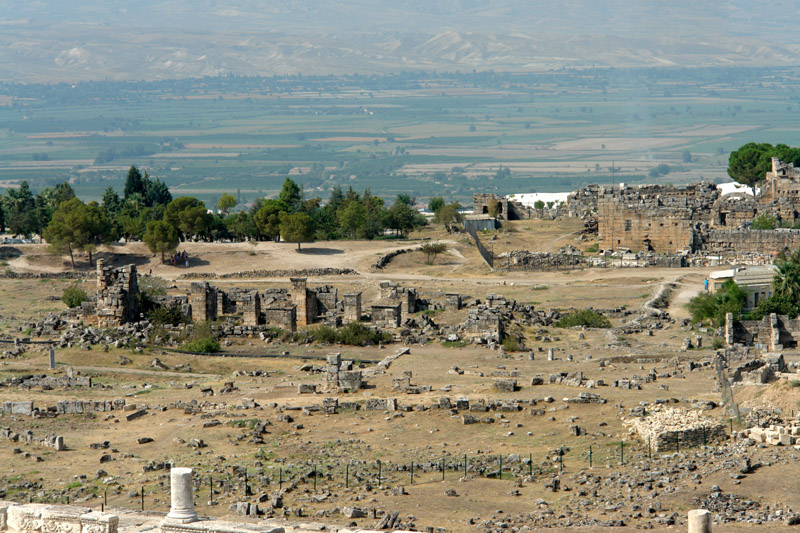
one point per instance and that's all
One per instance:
(402, 217)
(297, 227)
(750, 163)
(712, 307)
(351, 218)
(188, 215)
(785, 299)
(226, 203)
(132, 226)
(435, 203)
(538, 204)
(584, 317)
(98, 230)
(291, 194)
(241, 225)
(374, 214)
(161, 237)
(268, 218)
(432, 249)
(53, 196)
(448, 214)
(77, 226)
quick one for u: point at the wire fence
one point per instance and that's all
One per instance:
(240, 483)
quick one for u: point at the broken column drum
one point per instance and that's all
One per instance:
(699, 521)
(182, 501)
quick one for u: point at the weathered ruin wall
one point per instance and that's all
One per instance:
(387, 316)
(670, 429)
(527, 260)
(282, 317)
(644, 227)
(481, 201)
(750, 240)
(385, 259)
(117, 300)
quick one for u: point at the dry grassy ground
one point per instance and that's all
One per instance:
(362, 438)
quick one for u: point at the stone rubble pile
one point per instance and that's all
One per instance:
(775, 435)
(49, 441)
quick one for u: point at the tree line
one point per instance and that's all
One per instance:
(147, 211)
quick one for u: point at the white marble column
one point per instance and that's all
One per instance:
(182, 500)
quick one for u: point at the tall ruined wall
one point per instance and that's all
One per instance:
(481, 201)
(117, 300)
(653, 217)
(782, 182)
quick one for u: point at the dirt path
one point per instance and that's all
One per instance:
(690, 286)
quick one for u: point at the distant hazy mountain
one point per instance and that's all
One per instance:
(51, 40)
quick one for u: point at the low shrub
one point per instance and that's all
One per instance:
(204, 345)
(584, 317)
(353, 334)
(512, 344)
(73, 296)
(202, 339)
(169, 314)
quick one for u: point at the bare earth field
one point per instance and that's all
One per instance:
(626, 484)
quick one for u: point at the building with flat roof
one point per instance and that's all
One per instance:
(756, 281)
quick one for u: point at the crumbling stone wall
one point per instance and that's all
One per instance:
(244, 302)
(775, 332)
(204, 302)
(718, 241)
(406, 297)
(386, 315)
(782, 184)
(352, 307)
(671, 428)
(485, 320)
(327, 298)
(481, 201)
(282, 317)
(527, 260)
(117, 301)
(305, 301)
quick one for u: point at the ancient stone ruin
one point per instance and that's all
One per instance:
(117, 300)
(670, 429)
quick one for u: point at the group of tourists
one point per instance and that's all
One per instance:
(180, 259)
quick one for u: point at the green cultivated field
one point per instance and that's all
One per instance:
(425, 135)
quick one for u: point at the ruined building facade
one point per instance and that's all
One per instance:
(667, 219)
